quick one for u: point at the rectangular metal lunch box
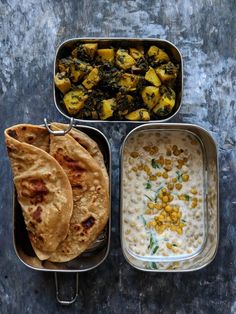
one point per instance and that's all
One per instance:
(210, 199)
(88, 260)
(65, 48)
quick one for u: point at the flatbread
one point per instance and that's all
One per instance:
(90, 196)
(43, 189)
(88, 144)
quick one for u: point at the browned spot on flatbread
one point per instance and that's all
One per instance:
(35, 189)
(74, 168)
(36, 215)
(12, 133)
(88, 223)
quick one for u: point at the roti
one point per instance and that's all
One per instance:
(90, 196)
(43, 189)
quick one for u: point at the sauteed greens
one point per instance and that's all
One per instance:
(117, 84)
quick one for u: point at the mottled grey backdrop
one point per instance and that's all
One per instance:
(204, 31)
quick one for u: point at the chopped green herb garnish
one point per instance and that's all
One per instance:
(152, 242)
(149, 197)
(174, 244)
(179, 176)
(187, 197)
(148, 185)
(155, 249)
(153, 265)
(183, 220)
(155, 164)
(144, 221)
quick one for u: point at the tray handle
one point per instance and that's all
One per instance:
(73, 299)
(59, 133)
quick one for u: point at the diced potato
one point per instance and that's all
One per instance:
(158, 54)
(152, 77)
(129, 81)
(151, 96)
(78, 70)
(92, 79)
(106, 55)
(107, 108)
(124, 60)
(62, 83)
(140, 114)
(76, 75)
(75, 101)
(135, 53)
(87, 49)
(167, 72)
(166, 102)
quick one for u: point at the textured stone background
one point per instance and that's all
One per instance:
(204, 31)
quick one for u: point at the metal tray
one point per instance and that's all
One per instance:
(207, 252)
(65, 48)
(88, 260)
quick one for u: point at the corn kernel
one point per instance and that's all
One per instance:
(168, 208)
(158, 206)
(159, 174)
(151, 205)
(171, 197)
(174, 180)
(165, 175)
(153, 178)
(165, 199)
(178, 186)
(194, 204)
(185, 177)
(170, 186)
(134, 154)
(179, 230)
(169, 246)
(193, 191)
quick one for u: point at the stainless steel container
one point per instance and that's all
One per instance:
(65, 48)
(207, 251)
(88, 260)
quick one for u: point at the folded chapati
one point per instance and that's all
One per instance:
(43, 189)
(90, 196)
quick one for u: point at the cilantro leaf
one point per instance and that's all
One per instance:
(148, 185)
(155, 164)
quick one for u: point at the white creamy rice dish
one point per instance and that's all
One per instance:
(163, 212)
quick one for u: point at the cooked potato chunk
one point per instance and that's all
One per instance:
(75, 101)
(167, 72)
(157, 55)
(62, 83)
(92, 79)
(140, 114)
(152, 77)
(151, 96)
(135, 53)
(106, 55)
(166, 102)
(107, 108)
(129, 81)
(124, 60)
(78, 70)
(88, 50)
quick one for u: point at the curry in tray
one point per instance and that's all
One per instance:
(116, 83)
